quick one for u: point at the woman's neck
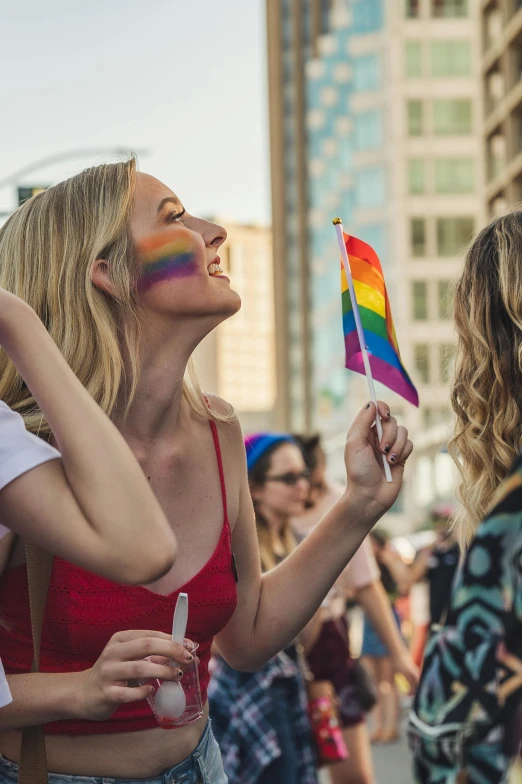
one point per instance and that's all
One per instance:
(156, 406)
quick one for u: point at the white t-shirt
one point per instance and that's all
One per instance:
(19, 452)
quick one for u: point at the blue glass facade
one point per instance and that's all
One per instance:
(341, 186)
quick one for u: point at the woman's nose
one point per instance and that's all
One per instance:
(213, 234)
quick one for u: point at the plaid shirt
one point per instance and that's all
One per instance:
(240, 707)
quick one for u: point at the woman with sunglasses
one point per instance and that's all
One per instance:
(260, 719)
(329, 659)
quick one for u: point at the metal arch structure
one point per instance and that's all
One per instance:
(50, 160)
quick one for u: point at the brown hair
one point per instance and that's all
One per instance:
(256, 478)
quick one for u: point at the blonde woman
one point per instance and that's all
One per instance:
(128, 283)
(467, 721)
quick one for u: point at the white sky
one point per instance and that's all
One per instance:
(184, 79)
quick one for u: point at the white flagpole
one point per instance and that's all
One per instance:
(360, 334)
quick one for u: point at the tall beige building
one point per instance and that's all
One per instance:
(502, 69)
(388, 113)
(237, 361)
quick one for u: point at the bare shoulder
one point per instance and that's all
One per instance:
(221, 406)
(230, 432)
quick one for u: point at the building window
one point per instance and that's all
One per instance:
(451, 116)
(416, 175)
(368, 130)
(412, 9)
(367, 73)
(453, 234)
(367, 16)
(420, 300)
(413, 59)
(449, 8)
(422, 361)
(370, 187)
(445, 291)
(415, 124)
(446, 362)
(450, 58)
(418, 237)
(454, 175)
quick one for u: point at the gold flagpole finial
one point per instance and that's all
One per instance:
(336, 221)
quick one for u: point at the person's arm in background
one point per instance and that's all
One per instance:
(399, 570)
(94, 506)
(362, 577)
(416, 572)
(375, 603)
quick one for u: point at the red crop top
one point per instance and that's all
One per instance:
(83, 611)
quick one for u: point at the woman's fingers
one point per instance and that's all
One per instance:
(389, 435)
(394, 448)
(406, 452)
(142, 647)
(124, 694)
(134, 634)
(140, 671)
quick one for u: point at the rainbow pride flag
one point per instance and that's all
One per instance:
(376, 318)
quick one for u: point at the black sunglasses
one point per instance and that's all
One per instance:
(290, 478)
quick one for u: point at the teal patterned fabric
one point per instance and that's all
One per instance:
(471, 684)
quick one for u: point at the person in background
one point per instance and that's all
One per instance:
(329, 658)
(260, 719)
(375, 652)
(437, 564)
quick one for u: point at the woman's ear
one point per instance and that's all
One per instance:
(101, 279)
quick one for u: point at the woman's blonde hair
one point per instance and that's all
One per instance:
(486, 394)
(48, 248)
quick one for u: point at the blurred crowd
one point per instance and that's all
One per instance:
(337, 689)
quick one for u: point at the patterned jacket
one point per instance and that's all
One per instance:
(472, 674)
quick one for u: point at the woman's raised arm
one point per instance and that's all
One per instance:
(273, 608)
(94, 506)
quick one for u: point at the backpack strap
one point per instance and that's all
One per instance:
(33, 760)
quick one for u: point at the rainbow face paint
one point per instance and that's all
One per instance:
(166, 255)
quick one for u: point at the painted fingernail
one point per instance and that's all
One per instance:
(368, 406)
(179, 674)
(388, 413)
(392, 458)
(188, 657)
(387, 448)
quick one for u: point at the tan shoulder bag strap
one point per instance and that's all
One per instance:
(33, 761)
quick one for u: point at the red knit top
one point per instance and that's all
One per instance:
(83, 611)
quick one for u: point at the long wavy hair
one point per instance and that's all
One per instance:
(256, 478)
(48, 248)
(486, 394)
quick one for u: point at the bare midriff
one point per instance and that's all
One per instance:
(134, 755)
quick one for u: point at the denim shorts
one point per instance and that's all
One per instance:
(204, 766)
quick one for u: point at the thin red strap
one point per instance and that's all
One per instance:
(217, 447)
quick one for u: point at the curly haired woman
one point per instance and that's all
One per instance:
(467, 718)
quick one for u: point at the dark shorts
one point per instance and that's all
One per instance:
(330, 660)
